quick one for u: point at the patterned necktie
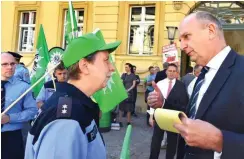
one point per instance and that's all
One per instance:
(194, 96)
(3, 95)
(169, 88)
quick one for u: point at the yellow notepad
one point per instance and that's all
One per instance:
(166, 118)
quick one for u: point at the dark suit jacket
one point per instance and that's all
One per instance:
(223, 106)
(178, 97)
(187, 79)
(160, 76)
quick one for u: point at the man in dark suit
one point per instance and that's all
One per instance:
(176, 98)
(215, 127)
(186, 79)
(161, 74)
(190, 81)
(197, 70)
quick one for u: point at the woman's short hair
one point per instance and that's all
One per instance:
(74, 70)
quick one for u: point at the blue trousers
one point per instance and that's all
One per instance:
(12, 146)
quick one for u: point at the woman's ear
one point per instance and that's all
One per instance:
(83, 65)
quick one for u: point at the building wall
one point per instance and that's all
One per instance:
(111, 17)
(106, 18)
(7, 21)
(166, 15)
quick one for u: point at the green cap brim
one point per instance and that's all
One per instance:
(110, 47)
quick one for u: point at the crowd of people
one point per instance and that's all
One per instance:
(61, 103)
(65, 118)
(167, 80)
(61, 74)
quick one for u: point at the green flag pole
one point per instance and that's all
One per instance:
(71, 17)
(125, 153)
(70, 25)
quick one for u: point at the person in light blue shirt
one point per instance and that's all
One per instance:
(66, 127)
(148, 82)
(60, 73)
(23, 111)
(21, 72)
(150, 78)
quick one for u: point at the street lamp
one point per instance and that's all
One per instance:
(177, 5)
(171, 33)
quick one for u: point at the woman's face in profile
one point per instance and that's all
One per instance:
(127, 68)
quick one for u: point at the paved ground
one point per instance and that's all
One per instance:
(140, 140)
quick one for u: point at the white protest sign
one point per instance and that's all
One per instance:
(170, 53)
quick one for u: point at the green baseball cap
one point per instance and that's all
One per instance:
(85, 45)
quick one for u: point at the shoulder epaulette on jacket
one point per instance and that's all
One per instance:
(61, 106)
(64, 107)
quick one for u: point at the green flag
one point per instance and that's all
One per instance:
(41, 61)
(56, 54)
(114, 93)
(71, 30)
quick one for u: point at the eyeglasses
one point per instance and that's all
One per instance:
(12, 64)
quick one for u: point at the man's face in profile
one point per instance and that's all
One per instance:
(194, 39)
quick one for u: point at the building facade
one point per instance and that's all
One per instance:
(140, 25)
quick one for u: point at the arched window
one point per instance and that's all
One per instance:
(151, 35)
(228, 12)
(141, 35)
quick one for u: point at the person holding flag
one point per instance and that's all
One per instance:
(67, 129)
(60, 73)
(21, 71)
(12, 122)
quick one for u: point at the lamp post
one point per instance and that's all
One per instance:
(171, 33)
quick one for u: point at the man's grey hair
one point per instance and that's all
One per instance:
(208, 17)
(165, 65)
(6, 53)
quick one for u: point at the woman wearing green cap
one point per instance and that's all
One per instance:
(67, 129)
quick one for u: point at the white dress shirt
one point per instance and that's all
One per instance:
(214, 65)
(163, 85)
(191, 86)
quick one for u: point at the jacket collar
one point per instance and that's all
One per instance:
(218, 82)
(73, 91)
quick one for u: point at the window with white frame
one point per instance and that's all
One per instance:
(141, 30)
(79, 15)
(27, 31)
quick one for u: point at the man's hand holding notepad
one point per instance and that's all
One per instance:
(197, 133)
(166, 119)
